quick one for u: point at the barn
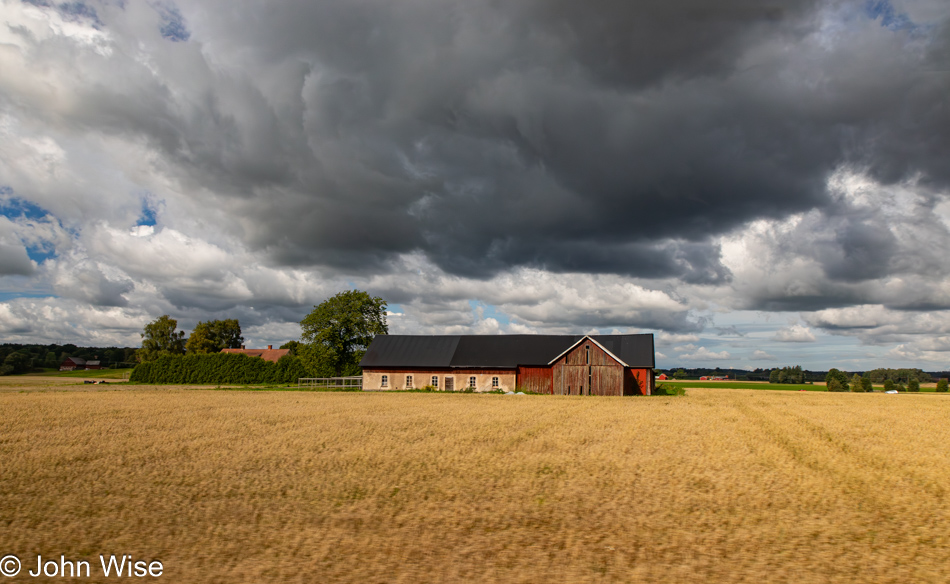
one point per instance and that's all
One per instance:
(550, 364)
(72, 364)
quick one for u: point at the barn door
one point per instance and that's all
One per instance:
(449, 384)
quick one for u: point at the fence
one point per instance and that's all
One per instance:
(352, 383)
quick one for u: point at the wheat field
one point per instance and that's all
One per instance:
(258, 486)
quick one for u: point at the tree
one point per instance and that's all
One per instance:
(214, 335)
(839, 376)
(16, 362)
(679, 374)
(866, 384)
(293, 346)
(161, 338)
(835, 385)
(856, 384)
(913, 384)
(942, 384)
(774, 375)
(339, 330)
(888, 385)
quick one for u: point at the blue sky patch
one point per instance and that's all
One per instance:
(489, 311)
(149, 215)
(17, 208)
(70, 10)
(890, 17)
(173, 23)
(5, 296)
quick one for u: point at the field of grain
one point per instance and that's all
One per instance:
(721, 485)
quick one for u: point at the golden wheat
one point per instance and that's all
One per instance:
(259, 487)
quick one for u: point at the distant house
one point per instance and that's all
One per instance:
(268, 354)
(662, 377)
(552, 364)
(93, 365)
(714, 378)
(73, 364)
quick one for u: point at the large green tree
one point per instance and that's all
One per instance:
(161, 338)
(214, 335)
(839, 377)
(338, 331)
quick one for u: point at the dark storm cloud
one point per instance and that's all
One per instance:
(598, 137)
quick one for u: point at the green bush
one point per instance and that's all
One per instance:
(888, 385)
(220, 368)
(668, 389)
(913, 384)
(942, 384)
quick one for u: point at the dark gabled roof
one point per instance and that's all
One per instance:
(509, 350)
(411, 351)
(505, 351)
(634, 350)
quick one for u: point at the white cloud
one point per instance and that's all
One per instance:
(760, 355)
(704, 354)
(665, 339)
(795, 334)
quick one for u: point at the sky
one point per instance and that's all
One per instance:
(758, 183)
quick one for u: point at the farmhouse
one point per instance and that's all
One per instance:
(551, 364)
(268, 354)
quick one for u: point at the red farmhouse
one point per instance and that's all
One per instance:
(552, 364)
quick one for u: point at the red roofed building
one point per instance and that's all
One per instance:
(269, 354)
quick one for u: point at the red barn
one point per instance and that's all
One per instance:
(551, 364)
(72, 364)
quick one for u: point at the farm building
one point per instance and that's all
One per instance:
(72, 364)
(268, 354)
(551, 364)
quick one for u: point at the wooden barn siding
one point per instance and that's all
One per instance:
(536, 379)
(571, 373)
(638, 381)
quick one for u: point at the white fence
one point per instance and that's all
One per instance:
(355, 383)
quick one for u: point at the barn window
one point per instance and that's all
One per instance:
(408, 381)
(588, 353)
(384, 382)
(435, 381)
(494, 382)
(471, 382)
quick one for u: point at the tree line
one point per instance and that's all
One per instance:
(893, 380)
(334, 337)
(22, 358)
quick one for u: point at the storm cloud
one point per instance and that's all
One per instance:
(629, 165)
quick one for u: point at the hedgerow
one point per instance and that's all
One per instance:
(220, 368)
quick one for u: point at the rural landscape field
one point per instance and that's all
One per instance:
(720, 485)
